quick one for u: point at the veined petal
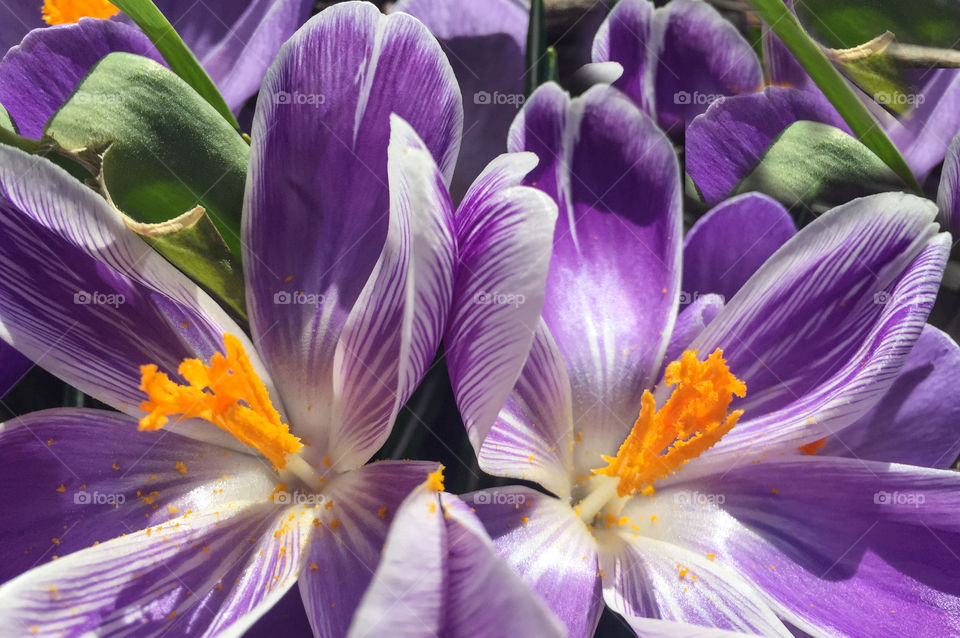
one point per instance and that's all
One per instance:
(348, 538)
(237, 50)
(645, 577)
(83, 297)
(676, 59)
(38, 76)
(317, 206)
(504, 236)
(822, 329)
(208, 573)
(614, 277)
(924, 134)
(726, 142)
(394, 330)
(916, 420)
(544, 540)
(813, 533)
(728, 244)
(533, 435)
(440, 575)
(75, 477)
(485, 43)
(948, 193)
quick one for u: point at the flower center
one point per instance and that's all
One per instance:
(692, 420)
(228, 393)
(70, 11)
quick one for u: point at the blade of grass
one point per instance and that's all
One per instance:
(177, 54)
(536, 46)
(854, 112)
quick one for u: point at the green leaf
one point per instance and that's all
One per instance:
(162, 149)
(178, 55)
(816, 166)
(846, 23)
(870, 68)
(809, 54)
(536, 56)
(6, 122)
(192, 243)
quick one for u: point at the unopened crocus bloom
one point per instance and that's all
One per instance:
(251, 475)
(684, 457)
(234, 40)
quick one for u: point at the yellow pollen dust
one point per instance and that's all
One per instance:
(70, 11)
(692, 420)
(435, 480)
(228, 393)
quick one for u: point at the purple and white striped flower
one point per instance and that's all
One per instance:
(349, 261)
(771, 528)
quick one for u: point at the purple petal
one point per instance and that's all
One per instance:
(915, 422)
(209, 571)
(822, 329)
(648, 577)
(724, 144)
(317, 207)
(86, 299)
(815, 533)
(17, 18)
(614, 277)
(237, 53)
(346, 553)
(394, 330)
(504, 234)
(676, 59)
(38, 76)
(486, 596)
(948, 193)
(542, 538)
(13, 368)
(92, 476)
(533, 435)
(782, 69)
(691, 321)
(656, 628)
(728, 244)
(924, 134)
(485, 43)
(441, 575)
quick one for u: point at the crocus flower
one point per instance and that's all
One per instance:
(235, 42)
(676, 59)
(702, 491)
(252, 475)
